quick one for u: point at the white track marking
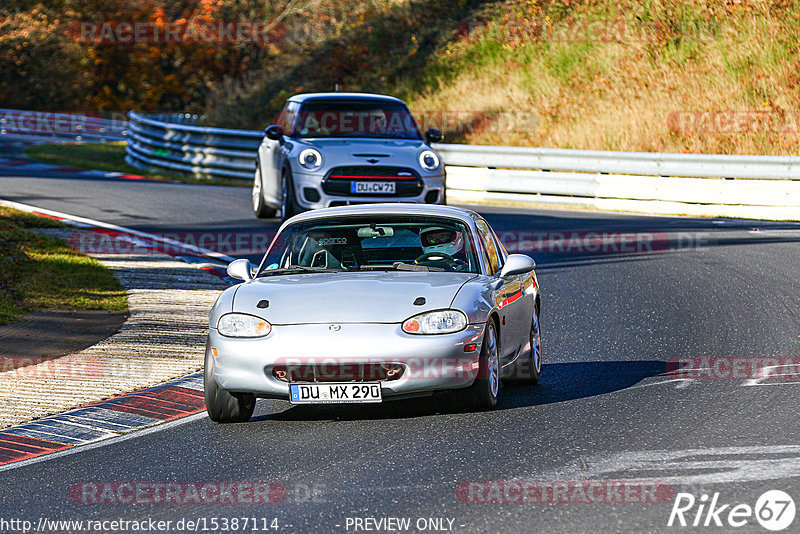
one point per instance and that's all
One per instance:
(681, 383)
(83, 222)
(717, 465)
(158, 427)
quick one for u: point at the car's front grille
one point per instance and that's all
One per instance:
(408, 182)
(356, 372)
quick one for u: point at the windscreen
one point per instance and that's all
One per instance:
(349, 118)
(373, 243)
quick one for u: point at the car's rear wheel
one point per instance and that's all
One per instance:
(223, 406)
(260, 208)
(482, 394)
(289, 205)
(530, 372)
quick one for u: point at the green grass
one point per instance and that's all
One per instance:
(38, 271)
(110, 157)
(594, 74)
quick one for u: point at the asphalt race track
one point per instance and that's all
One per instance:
(617, 315)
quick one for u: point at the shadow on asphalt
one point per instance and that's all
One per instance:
(561, 382)
(577, 238)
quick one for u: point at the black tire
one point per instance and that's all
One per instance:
(260, 209)
(482, 394)
(289, 205)
(223, 406)
(530, 371)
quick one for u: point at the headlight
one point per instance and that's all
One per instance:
(310, 158)
(436, 322)
(242, 325)
(429, 160)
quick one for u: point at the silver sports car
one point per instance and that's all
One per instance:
(374, 303)
(336, 149)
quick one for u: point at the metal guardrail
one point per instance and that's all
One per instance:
(61, 125)
(747, 186)
(174, 143)
(634, 163)
(691, 178)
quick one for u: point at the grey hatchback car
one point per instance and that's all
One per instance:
(338, 149)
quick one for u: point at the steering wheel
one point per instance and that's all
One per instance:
(449, 260)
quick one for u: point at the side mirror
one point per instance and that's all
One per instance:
(275, 133)
(434, 135)
(517, 264)
(241, 269)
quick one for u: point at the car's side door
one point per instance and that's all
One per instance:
(271, 155)
(525, 304)
(507, 296)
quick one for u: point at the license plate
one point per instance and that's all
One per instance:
(384, 188)
(331, 393)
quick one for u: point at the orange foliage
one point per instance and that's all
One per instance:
(46, 64)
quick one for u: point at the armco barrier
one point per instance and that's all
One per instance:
(168, 142)
(695, 184)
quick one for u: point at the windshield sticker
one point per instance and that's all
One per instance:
(333, 241)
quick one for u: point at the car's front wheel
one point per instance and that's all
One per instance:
(223, 406)
(289, 205)
(260, 208)
(482, 394)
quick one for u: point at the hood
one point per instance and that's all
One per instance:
(357, 144)
(363, 297)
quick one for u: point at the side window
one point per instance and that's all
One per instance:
(280, 119)
(288, 115)
(501, 248)
(482, 251)
(489, 244)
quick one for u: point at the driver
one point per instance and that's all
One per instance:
(438, 240)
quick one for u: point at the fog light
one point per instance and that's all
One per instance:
(311, 194)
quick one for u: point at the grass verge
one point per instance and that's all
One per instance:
(110, 157)
(37, 271)
(699, 76)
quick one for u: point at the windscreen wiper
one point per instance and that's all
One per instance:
(401, 266)
(299, 269)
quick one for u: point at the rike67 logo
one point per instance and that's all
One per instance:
(774, 510)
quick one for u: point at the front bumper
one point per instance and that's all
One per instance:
(303, 182)
(431, 363)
